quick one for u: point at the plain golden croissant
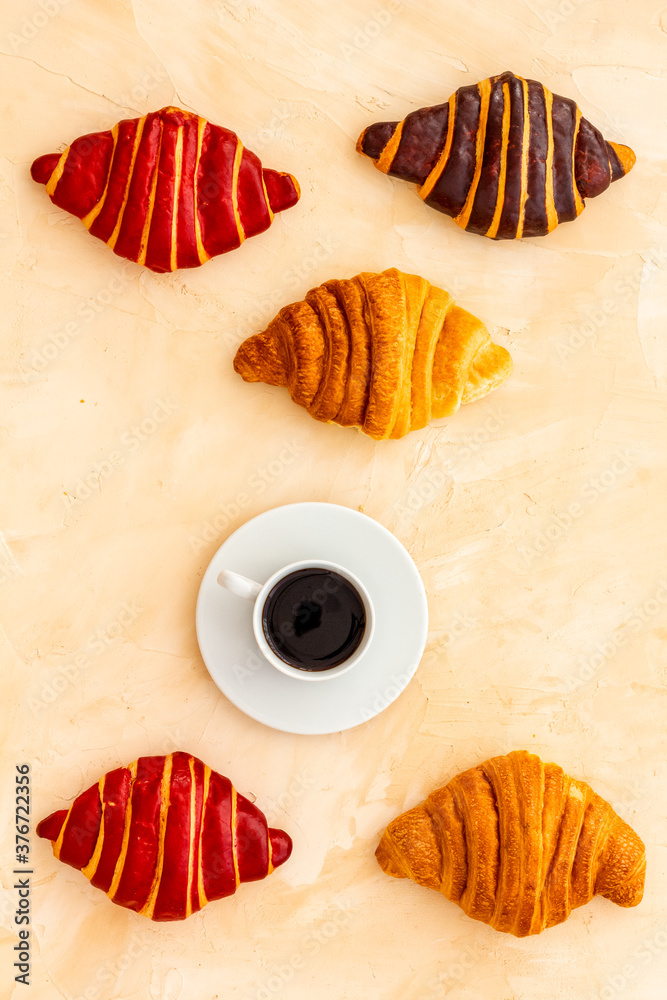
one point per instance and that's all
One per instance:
(517, 844)
(505, 158)
(382, 352)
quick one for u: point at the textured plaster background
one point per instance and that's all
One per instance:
(130, 450)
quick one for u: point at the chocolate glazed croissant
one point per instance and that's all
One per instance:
(165, 836)
(517, 844)
(504, 158)
(382, 352)
(167, 190)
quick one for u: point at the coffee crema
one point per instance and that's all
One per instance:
(314, 619)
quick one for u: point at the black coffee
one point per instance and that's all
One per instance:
(314, 619)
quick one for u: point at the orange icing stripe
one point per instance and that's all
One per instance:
(191, 849)
(234, 840)
(463, 217)
(578, 200)
(386, 157)
(429, 183)
(141, 258)
(201, 249)
(91, 867)
(111, 242)
(502, 177)
(266, 199)
(57, 846)
(96, 209)
(165, 801)
(120, 863)
(200, 878)
(524, 160)
(52, 182)
(178, 168)
(238, 154)
(552, 215)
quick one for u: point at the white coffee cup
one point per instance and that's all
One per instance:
(258, 593)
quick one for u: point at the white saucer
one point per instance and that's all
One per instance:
(313, 531)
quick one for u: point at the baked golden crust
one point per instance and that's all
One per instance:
(382, 352)
(518, 844)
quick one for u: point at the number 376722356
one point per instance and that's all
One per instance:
(22, 813)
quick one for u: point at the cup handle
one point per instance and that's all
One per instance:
(239, 585)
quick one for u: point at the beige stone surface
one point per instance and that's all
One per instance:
(548, 628)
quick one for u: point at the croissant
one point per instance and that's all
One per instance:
(382, 352)
(167, 190)
(504, 158)
(517, 844)
(165, 836)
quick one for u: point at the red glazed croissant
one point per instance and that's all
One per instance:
(167, 190)
(165, 836)
(517, 844)
(504, 158)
